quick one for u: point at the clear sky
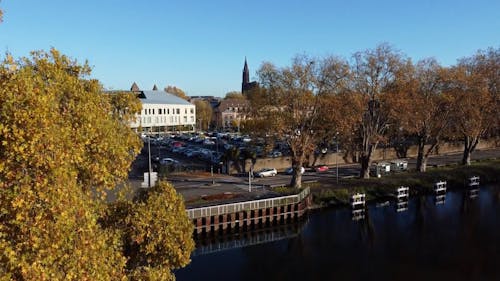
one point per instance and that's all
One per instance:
(200, 46)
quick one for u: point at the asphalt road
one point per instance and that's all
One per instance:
(194, 186)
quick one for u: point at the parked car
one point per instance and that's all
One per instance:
(208, 142)
(289, 171)
(321, 168)
(168, 161)
(266, 172)
(275, 154)
(399, 165)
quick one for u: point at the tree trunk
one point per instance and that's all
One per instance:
(421, 160)
(296, 181)
(470, 144)
(466, 156)
(365, 167)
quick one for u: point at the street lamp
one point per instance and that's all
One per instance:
(149, 161)
(212, 173)
(250, 179)
(336, 156)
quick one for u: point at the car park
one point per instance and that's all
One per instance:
(267, 172)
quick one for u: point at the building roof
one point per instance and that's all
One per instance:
(161, 97)
(134, 87)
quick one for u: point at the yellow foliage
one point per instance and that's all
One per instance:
(62, 142)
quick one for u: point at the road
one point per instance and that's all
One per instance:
(194, 186)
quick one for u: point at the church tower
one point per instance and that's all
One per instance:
(246, 77)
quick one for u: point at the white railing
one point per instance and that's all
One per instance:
(231, 208)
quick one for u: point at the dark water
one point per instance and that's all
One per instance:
(456, 240)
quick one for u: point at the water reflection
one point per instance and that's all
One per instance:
(439, 199)
(473, 193)
(401, 206)
(457, 240)
(222, 242)
(358, 214)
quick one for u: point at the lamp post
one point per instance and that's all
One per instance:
(250, 180)
(336, 156)
(212, 173)
(149, 161)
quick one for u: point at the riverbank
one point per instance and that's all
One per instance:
(325, 194)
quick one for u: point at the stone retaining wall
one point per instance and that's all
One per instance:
(281, 163)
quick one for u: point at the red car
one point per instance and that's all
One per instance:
(321, 168)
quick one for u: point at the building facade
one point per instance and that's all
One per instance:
(163, 112)
(229, 113)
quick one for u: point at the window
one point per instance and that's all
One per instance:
(178, 111)
(168, 111)
(192, 110)
(159, 111)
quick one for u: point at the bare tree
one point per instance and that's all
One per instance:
(374, 74)
(290, 104)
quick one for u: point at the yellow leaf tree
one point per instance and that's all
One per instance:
(63, 144)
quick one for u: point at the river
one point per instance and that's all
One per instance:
(454, 239)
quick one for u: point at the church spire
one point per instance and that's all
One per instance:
(246, 76)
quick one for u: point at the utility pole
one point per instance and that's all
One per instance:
(250, 180)
(149, 161)
(336, 156)
(336, 161)
(212, 173)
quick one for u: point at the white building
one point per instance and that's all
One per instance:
(163, 112)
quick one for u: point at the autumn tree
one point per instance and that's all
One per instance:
(63, 145)
(374, 73)
(424, 109)
(474, 87)
(203, 113)
(290, 103)
(155, 240)
(234, 95)
(176, 91)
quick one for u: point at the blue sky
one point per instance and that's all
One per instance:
(200, 46)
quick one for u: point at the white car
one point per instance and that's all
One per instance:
(168, 161)
(267, 172)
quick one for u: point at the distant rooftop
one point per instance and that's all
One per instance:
(161, 97)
